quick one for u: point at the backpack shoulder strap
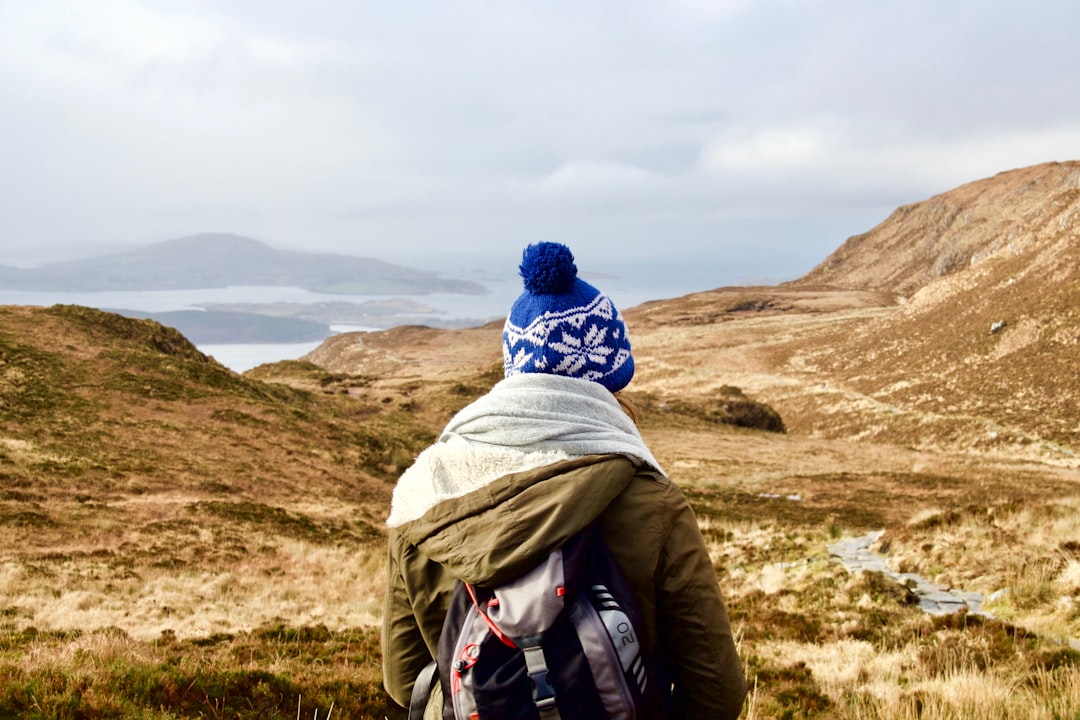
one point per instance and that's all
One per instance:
(421, 691)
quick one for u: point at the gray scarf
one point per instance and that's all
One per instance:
(526, 421)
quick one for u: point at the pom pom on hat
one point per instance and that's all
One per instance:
(548, 268)
(562, 325)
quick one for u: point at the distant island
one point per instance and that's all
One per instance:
(218, 260)
(215, 260)
(216, 327)
(284, 322)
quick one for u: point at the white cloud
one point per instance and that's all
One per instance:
(597, 177)
(468, 123)
(69, 43)
(946, 163)
(767, 149)
(172, 68)
(778, 165)
(712, 9)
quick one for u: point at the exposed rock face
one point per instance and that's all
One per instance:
(1012, 214)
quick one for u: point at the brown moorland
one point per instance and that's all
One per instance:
(181, 541)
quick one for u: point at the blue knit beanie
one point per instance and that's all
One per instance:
(562, 325)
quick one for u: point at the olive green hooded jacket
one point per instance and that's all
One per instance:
(492, 533)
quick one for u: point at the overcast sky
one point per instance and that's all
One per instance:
(749, 137)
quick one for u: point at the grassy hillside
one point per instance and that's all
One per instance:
(905, 417)
(891, 340)
(182, 541)
(177, 536)
(990, 327)
(1000, 216)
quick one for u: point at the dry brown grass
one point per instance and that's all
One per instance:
(823, 643)
(287, 581)
(224, 533)
(817, 641)
(166, 560)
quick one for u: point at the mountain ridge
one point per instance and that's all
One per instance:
(920, 242)
(988, 314)
(210, 260)
(978, 354)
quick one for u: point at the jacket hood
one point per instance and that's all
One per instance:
(499, 531)
(516, 473)
(525, 422)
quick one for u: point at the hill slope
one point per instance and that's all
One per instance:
(889, 339)
(955, 323)
(131, 465)
(146, 488)
(1013, 213)
(992, 325)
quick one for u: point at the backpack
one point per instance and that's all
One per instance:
(561, 641)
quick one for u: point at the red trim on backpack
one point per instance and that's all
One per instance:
(469, 655)
(490, 623)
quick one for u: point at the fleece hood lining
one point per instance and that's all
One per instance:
(525, 422)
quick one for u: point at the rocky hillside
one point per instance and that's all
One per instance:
(1019, 214)
(151, 496)
(954, 324)
(988, 323)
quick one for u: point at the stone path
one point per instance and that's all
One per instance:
(855, 554)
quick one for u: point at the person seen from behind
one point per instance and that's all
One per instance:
(547, 451)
